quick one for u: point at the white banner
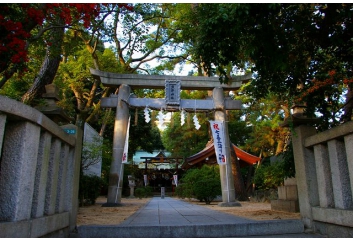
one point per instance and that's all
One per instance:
(217, 128)
(145, 179)
(175, 177)
(126, 147)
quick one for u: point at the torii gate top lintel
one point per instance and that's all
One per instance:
(136, 81)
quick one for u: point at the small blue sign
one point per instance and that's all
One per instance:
(70, 131)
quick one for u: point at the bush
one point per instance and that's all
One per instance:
(143, 192)
(207, 189)
(148, 191)
(272, 176)
(139, 192)
(180, 191)
(200, 183)
(269, 177)
(89, 189)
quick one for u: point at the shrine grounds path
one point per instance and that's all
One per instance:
(172, 218)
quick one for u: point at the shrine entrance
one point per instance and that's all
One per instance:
(172, 102)
(160, 171)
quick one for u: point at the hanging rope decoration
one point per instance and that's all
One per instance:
(147, 114)
(196, 122)
(160, 118)
(182, 117)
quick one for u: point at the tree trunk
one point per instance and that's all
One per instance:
(280, 147)
(238, 179)
(107, 112)
(249, 185)
(7, 75)
(49, 67)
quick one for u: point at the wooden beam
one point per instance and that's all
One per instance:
(138, 81)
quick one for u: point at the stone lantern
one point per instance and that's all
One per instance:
(50, 108)
(132, 185)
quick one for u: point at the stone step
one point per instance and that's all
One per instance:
(258, 228)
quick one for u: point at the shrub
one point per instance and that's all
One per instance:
(139, 192)
(269, 177)
(207, 189)
(143, 192)
(179, 190)
(272, 176)
(89, 189)
(200, 183)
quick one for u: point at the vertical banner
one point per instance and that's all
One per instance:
(126, 147)
(145, 179)
(217, 128)
(175, 177)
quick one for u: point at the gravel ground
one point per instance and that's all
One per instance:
(99, 215)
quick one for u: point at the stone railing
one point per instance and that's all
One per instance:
(324, 173)
(39, 173)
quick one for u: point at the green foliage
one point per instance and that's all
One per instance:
(139, 192)
(141, 132)
(180, 191)
(143, 192)
(286, 46)
(238, 130)
(271, 176)
(89, 189)
(91, 152)
(186, 140)
(203, 184)
(106, 162)
(262, 120)
(207, 189)
(288, 162)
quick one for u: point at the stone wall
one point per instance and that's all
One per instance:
(287, 197)
(324, 173)
(39, 173)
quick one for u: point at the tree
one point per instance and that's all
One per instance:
(147, 30)
(142, 131)
(293, 50)
(19, 23)
(91, 153)
(50, 64)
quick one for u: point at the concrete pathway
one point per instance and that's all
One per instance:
(172, 218)
(173, 212)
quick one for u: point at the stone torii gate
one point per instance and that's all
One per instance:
(172, 84)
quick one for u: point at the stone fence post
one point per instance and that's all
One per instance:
(305, 173)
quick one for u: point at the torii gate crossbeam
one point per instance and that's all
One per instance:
(159, 103)
(136, 81)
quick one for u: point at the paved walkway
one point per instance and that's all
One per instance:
(173, 212)
(172, 218)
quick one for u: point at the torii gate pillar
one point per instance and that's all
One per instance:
(120, 129)
(227, 182)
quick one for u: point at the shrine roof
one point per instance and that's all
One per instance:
(209, 152)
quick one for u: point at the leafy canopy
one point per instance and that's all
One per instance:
(301, 52)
